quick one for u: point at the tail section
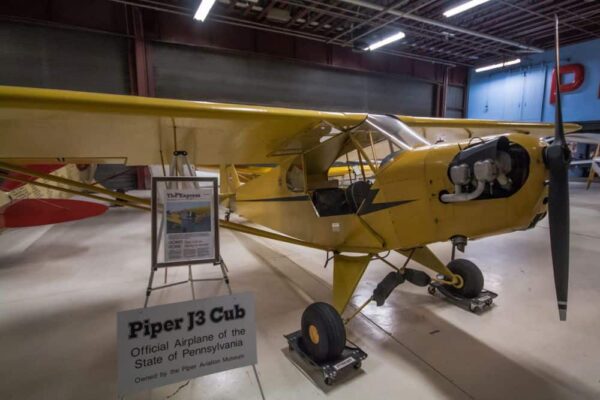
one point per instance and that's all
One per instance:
(26, 200)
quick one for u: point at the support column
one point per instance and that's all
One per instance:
(443, 94)
(140, 70)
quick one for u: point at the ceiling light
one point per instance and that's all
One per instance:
(499, 65)
(203, 10)
(387, 40)
(463, 7)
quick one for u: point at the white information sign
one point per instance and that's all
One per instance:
(174, 342)
(190, 224)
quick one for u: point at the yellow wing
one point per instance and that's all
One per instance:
(455, 129)
(41, 125)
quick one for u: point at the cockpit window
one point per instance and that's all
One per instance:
(389, 158)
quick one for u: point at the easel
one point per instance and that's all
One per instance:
(181, 171)
(190, 279)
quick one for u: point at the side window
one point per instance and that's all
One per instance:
(294, 177)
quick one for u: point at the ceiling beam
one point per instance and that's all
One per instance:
(439, 24)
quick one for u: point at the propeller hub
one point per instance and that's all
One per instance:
(557, 155)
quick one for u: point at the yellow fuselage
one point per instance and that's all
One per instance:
(415, 178)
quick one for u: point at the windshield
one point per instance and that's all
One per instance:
(381, 139)
(385, 127)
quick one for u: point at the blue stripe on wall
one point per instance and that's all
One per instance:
(522, 93)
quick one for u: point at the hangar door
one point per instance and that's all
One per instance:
(62, 59)
(198, 74)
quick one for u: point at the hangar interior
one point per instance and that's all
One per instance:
(62, 284)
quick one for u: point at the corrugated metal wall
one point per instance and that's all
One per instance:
(63, 59)
(455, 102)
(195, 74)
(40, 56)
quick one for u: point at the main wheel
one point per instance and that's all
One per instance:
(323, 332)
(471, 276)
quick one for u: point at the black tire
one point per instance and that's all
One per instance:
(323, 332)
(471, 275)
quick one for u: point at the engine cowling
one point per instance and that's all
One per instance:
(489, 169)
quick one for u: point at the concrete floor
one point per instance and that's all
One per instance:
(61, 287)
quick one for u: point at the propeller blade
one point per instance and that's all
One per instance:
(558, 158)
(558, 218)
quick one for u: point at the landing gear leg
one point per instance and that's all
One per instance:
(459, 282)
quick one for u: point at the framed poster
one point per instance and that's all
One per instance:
(185, 221)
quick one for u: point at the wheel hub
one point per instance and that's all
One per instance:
(457, 281)
(313, 333)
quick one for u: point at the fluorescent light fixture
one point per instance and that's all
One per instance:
(499, 65)
(463, 7)
(387, 40)
(203, 10)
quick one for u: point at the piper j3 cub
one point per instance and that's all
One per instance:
(487, 178)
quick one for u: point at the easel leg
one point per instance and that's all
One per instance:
(191, 278)
(223, 265)
(262, 394)
(224, 270)
(149, 288)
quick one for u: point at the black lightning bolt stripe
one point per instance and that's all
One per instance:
(368, 206)
(289, 198)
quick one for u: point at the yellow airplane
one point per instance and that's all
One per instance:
(196, 214)
(487, 178)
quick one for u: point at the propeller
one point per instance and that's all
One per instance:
(557, 158)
